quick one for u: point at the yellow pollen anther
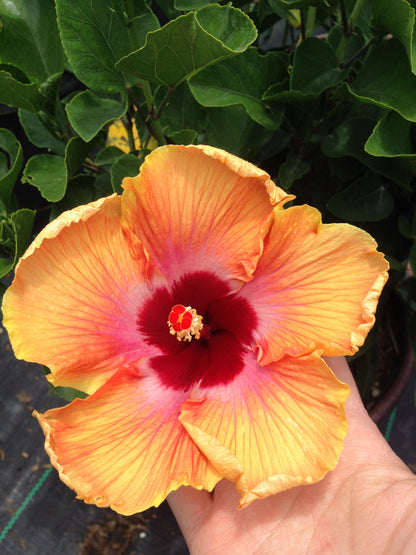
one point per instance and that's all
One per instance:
(185, 323)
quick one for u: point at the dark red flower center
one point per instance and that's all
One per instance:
(217, 355)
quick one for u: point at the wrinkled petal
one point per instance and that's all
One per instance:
(274, 427)
(74, 302)
(199, 208)
(123, 446)
(316, 286)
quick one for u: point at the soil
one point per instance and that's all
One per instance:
(114, 534)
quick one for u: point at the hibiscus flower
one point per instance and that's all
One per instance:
(194, 311)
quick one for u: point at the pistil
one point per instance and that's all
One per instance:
(185, 323)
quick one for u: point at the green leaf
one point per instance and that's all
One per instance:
(365, 200)
(94, 39)
(67, 393)
(89, 112)
(232, 129)
(17, 94)
(349, 138)
(50, 173)
(183, 137)
(38, 134)
(188, 5)
(292, 169)
(47, 173)
(292, 4)
(75, 153)
(242, 80)
(278, 94)
(21, 224)
(29, 38)
(182, 112)
(315, 67)
(49, 90)
(127, 165)
(355, 42)
(80, 190)
(12, 164)
(385, 79)
(392, 136)
(398, 18)
(190, 43)
(108, 156)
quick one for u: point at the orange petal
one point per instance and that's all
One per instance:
(197, 207)
(316, 286)
(273, 428)
(123, 446)
(74, 301)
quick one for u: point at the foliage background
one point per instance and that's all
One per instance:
(321, 93)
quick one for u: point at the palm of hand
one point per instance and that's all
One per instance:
(366, 505)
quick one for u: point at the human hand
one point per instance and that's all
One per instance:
(366, 505)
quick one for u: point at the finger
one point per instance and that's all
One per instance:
(190, 507)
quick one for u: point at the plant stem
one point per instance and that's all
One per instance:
(310, 21)
(344, 19)
(155, 122)
(351, 24)
(156, 128)
(165, 100)
(302, 26)
(355, 14)
(128, 126)
(358, 53)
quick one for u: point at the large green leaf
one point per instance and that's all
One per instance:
(278, 93)
(182, 112)
(242, 80)
(38, 134)
(80, 190)
(315, 67)
(89, 112)
(190, 43)
(50, 173)
(398, 17)
(187, 5)
(108, 155)
(12, 164)
(392, 136)
(47, 173)
(29, 38)
(232, 129)
(292, 169)
(75, 153)
(127, 165)
(20, 224)
(349, 138)
(365, 200)
(94, 39)
(292, 4)
(18, 94)
(385, 79)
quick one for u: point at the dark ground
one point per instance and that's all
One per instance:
(53, 522)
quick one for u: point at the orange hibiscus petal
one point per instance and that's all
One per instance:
(123, 446)
(274, 427)
(197, 207)
(74, 302)
(316, 286)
